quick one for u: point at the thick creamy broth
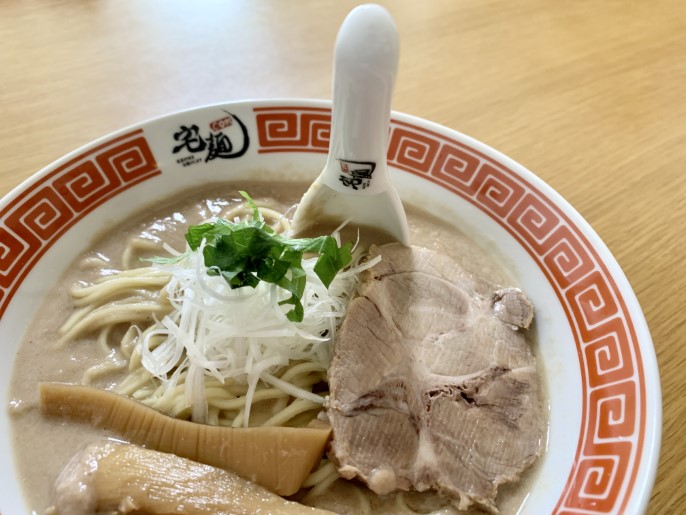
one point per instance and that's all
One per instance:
(43, 447)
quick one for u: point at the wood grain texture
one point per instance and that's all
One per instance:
(589, 95)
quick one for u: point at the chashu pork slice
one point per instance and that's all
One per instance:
(433, 383)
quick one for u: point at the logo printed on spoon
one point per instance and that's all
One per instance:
(356, 174)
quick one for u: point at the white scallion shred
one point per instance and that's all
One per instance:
(242, 334)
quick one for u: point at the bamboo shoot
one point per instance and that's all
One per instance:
(120, 478)
(278, 458)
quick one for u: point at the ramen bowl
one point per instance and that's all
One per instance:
(597, 357)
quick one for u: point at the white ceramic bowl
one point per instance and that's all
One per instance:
(599, 362)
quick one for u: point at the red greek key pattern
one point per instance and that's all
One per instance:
(302, 130)
(412, 152)
(40, 214)
(613, 409)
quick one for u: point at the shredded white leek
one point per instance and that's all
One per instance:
(241, 334)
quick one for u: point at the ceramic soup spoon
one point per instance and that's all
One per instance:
(355, 185)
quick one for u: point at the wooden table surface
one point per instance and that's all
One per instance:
(590, 95)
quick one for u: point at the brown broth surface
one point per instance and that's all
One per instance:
(43, 446)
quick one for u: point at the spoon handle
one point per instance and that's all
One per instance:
(365, 66)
